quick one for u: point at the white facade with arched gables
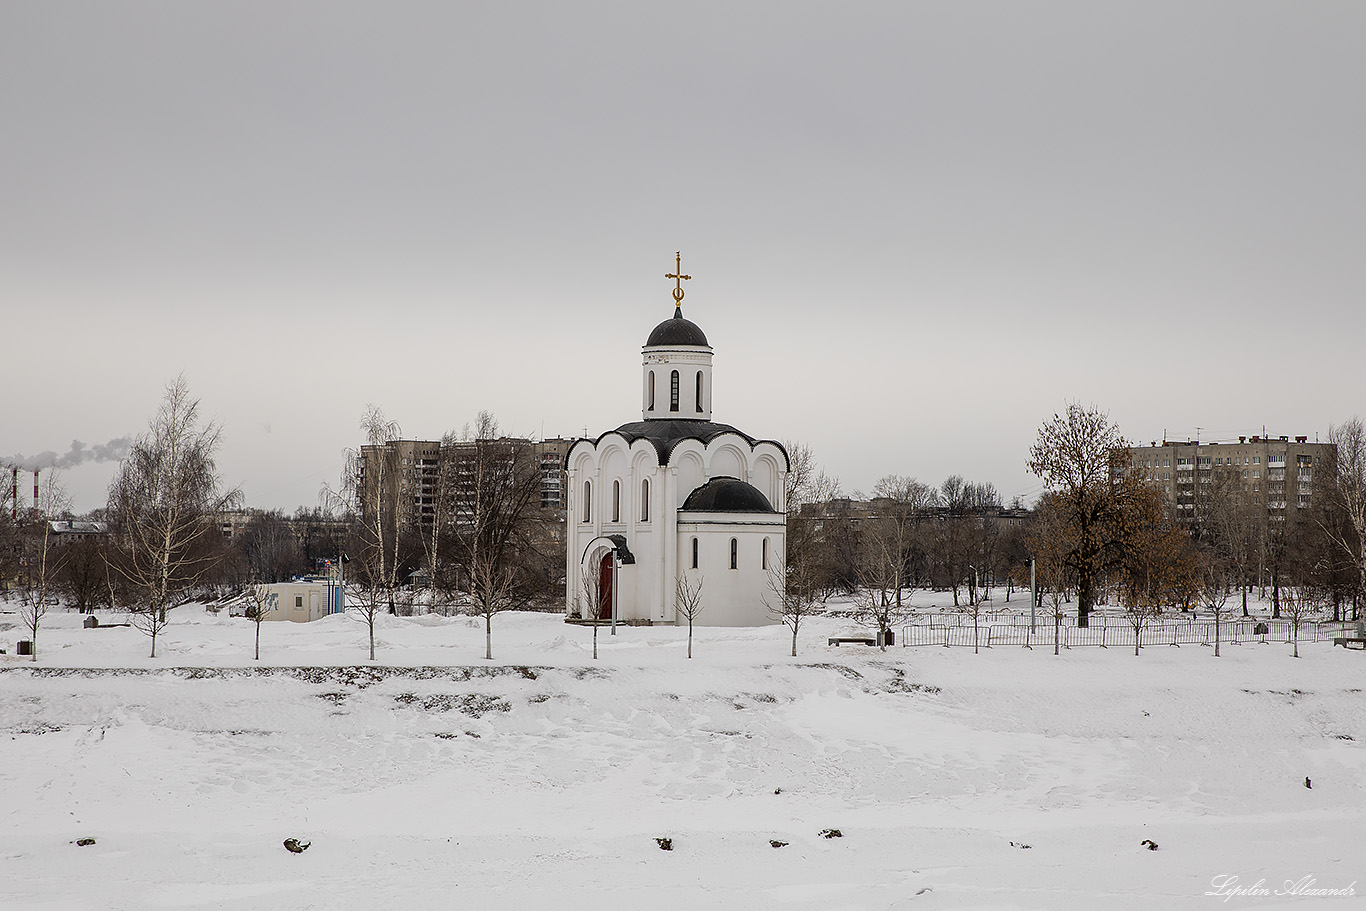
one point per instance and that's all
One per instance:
(634, 481)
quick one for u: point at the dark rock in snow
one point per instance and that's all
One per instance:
(294, 846)
(831, 833)
(84, 842)
(1307, 783)
(665, 844)
(1020, 844)
(1149, 844)
(777, 844)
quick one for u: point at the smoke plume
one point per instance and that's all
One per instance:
(113, 451)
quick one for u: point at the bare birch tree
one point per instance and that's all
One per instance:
(1299, 608)
(590, 593)
(368, 495)
(793, 595)
(1048, 541)
(161, 506)
(497, 521)
(688, 601)
(42, 557)
(1348, 491)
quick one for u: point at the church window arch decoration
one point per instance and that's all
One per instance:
(673, 391)
(645, 500)
(734, 553)
(616, 501)
(699, 392)
(651, 401)
(694, 553)
(587, 501)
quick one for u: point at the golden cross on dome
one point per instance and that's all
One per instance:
(678, 277)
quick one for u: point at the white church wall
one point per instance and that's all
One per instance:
(688, 456)
(726, 461)
(769, 467)
(731, 597)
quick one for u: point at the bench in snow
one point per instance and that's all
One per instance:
(861, 640)
(1350, 641)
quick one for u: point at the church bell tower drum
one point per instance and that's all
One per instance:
(676, 369)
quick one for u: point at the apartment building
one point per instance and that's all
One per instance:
(1278, 471)
(409, 473)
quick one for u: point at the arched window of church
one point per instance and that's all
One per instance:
(645, 500)
(764, 561)
(587, 501)
(651, 405)
(694, 553)
(734, 554)
(699, 392)
(673, 391)
(616, 501)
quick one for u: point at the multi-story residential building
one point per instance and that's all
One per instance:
(1276, 471)
(409, 473)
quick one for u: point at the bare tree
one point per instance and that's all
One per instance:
(1299, 608)
(794, 593)
(161, 504)
(1214, 591)
(367, 493)
(269, 548)
(688, 598)
(973, 609)
(42, 558)
(1348, 492)
(1233, 525)
(590, 593)
(808, 492)
(10, 539)
(879, 602)
(436, 525)
(1048, 540)
(259, 603)
(81, 575)
(1076, 456)
(498, 522)
(886, 541)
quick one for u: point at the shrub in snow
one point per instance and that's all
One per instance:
(665, 844)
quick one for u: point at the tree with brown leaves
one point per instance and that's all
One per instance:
(1078, 455)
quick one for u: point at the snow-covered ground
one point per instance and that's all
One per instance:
(434, 779)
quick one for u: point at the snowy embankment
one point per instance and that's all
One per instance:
(542, 779)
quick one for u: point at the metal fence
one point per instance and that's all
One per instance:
(1116, 632)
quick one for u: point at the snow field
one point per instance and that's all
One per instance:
(434, 779)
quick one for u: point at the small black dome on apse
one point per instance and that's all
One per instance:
(724, 494)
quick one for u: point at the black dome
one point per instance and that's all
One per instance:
(677, 331)
(727, 495)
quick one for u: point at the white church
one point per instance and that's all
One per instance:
(674, 495)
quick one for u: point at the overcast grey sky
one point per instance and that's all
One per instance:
(915, 230)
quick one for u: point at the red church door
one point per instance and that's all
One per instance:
(605, 587)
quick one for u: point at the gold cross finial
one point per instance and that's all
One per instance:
(678, 277)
